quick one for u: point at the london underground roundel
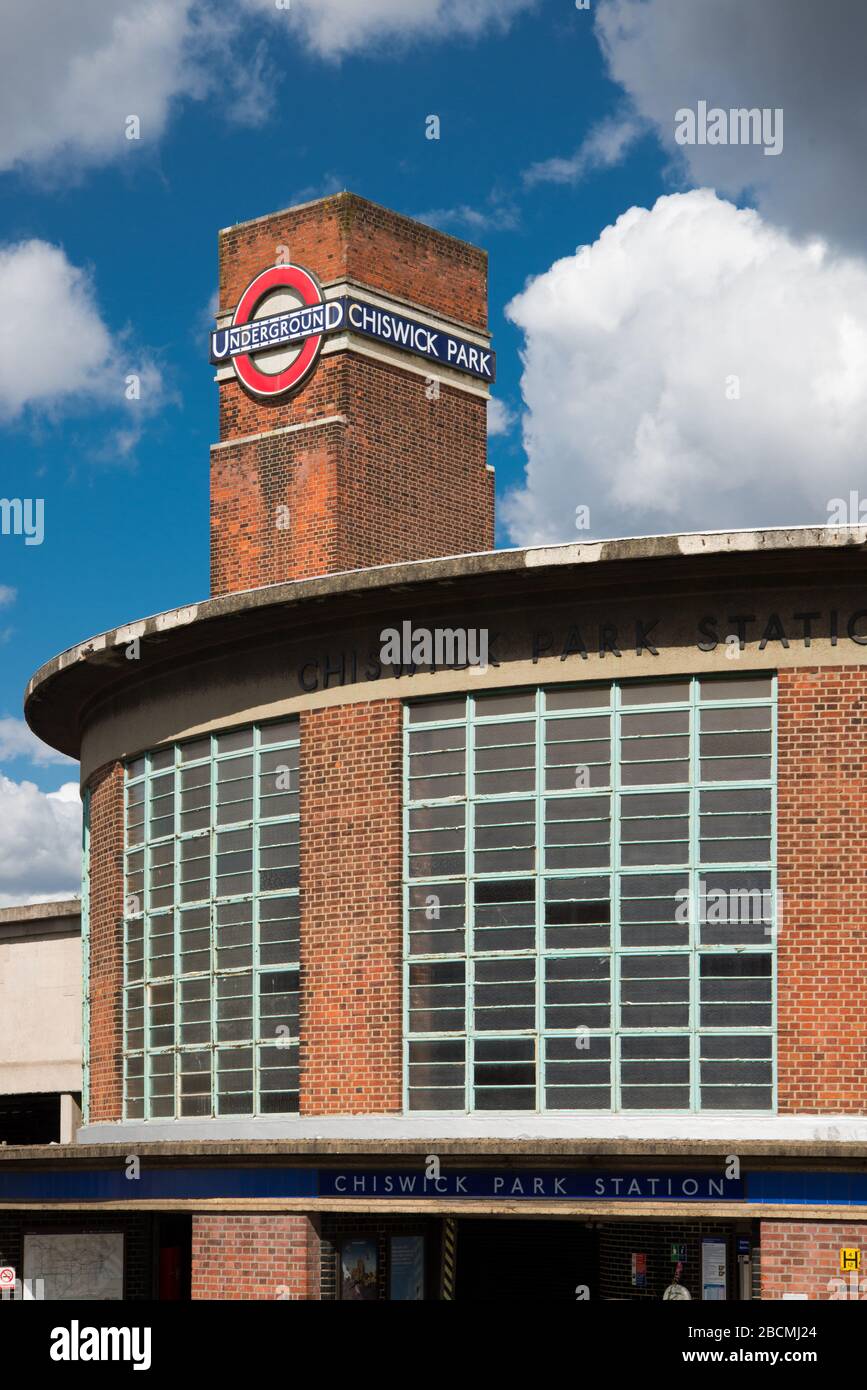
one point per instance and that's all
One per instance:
(276, 331)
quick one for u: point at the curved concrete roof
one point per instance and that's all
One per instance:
(60, 694)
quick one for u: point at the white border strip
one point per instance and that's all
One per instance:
(282, 429)
(818, 1129)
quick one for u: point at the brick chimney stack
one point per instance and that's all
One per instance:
(379, 454)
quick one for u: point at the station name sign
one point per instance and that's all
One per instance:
(506, 1184)
(348, 315)
(682, 1187)
(305, 325)
(191, 1183)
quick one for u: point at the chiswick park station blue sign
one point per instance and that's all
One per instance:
(113, 1182)
(541, 1184)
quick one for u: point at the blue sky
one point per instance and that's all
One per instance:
(244, 110)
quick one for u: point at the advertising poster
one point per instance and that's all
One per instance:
(406, 1269)
(358, 1268)
(713, 1270)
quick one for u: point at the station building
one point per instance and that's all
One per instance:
(457, 923)
(40, 1022)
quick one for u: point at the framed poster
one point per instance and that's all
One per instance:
(639, 1271)
(358, 1269)
(406, 1269)
(79, 1265)
(713, 1270)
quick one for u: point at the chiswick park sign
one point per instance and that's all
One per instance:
(274, 352)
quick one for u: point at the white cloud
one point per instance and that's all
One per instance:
(632, 348)
(73, 71)
(605, 145)
(7, 595)
(498, 216)
(50, 316)
(71, 74)
(17, 740)
(334, 28)
(501, 417)
(17, 900)
(40, 841)
(799, 55)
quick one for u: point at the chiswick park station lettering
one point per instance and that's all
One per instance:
(679, 1187)
(189, 1184)
(575, 642)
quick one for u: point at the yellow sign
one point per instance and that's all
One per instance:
(850, 1259)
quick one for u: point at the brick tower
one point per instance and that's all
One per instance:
(378, 454)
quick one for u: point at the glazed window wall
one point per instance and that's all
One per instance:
(211, 931)
(589, 898)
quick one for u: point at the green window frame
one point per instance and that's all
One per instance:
(211, 926)
(590, 898)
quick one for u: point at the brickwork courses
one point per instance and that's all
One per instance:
(369, 462)
(255, 1257)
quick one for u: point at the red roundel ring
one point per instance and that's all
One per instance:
(275, 278)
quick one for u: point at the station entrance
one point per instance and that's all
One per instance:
(575, 1260)
(477, 1259)
(518, 1261)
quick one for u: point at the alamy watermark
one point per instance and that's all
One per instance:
(455, 647)
(23, 517)
(23, 1291)
(737, 126)
(734, 907)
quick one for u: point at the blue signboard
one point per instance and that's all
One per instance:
(112, 1184)
(348, 315)
(70, 1183)
(435, 344)
(541, 1185)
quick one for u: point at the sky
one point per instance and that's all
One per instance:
(680, 315)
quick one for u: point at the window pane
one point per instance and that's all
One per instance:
(504, 1074)
(578, 992)
(505, 915)
(577, 913)
(437, 919)
(577, 832)
(505, 836)
(578, 1072)
(654, 693)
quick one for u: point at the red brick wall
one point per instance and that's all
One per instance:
(822, 849)
(346, 236)
(404, 477)
(249, 483)
(255, 1257)
(351, 909)
(106, 943)
(804, 1257)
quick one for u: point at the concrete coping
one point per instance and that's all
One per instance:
(475, 1149)
(60, 692)
(37, 913)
